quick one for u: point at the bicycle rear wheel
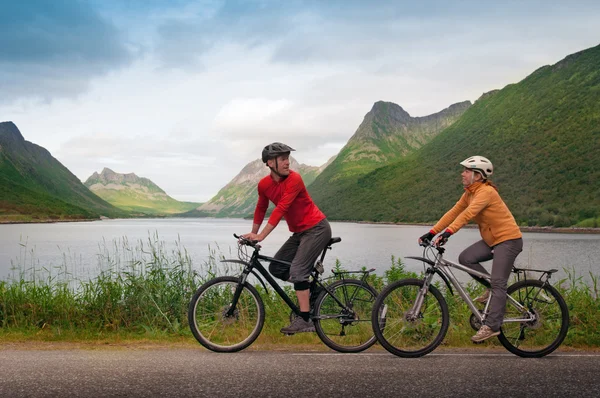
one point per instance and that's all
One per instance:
(541, 336)
(346, 328)
(400, 331)
(210, 324)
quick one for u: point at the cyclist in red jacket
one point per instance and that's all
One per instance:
(310, 229)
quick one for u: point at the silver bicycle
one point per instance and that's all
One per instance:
(410, 316)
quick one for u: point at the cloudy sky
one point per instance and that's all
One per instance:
(187, 92)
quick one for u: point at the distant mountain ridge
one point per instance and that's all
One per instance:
(542, 134)
(238, 198)
(137, 194)
(107, 176)
(387, 133)
(34, 186)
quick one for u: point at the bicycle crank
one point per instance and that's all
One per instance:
(475, 322)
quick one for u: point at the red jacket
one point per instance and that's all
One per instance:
(292, 201)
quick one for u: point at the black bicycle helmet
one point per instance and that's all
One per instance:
(275, 149)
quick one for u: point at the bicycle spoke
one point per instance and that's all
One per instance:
(218, 328)
(346, 328)
(544, 323)
(406, 333)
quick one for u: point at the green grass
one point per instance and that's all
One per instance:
(36, 186)
(142, 291)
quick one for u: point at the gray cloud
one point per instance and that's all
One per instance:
(338, 31)
(50, 49)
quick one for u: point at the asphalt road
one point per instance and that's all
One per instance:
(192, 372)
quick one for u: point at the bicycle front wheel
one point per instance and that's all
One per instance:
(211, 323)
(540, 325)
(347, 327)
(403, 330)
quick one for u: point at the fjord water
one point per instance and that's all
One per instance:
(78, 245)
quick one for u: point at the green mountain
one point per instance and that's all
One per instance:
(36, 186)
(136, 194)
(387, 133)
(542, 134)
(238, 198)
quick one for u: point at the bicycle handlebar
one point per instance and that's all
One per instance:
(428, 243)
(244, 241)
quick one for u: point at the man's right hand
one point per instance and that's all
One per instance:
(426, 238)
(252, 236)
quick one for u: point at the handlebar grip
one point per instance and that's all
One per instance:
(245, 241)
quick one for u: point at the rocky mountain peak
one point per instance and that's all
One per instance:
(110, 177)
(9, 132)
(388, 133)
(388, 110)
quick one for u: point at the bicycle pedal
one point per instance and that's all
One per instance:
(319, 267)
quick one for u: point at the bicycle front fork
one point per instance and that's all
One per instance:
(414, 312)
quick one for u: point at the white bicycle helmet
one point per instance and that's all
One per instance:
(480, 164)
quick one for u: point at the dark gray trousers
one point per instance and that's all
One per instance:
(504, 255)
(302, 250)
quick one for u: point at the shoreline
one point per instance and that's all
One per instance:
(561, 230)
(48, 221)
(540, 229)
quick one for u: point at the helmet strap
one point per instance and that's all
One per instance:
(276, 169)
(483, 179)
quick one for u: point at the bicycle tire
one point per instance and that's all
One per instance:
(209, 323)
(338, 329)
(409, 338)
(538, 338)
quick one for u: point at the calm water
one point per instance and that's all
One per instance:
(78, 244)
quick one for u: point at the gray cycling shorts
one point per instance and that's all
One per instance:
(302, 250)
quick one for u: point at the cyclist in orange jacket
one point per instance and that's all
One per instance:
(502, 239)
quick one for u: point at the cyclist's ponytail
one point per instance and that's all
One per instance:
(491, 184)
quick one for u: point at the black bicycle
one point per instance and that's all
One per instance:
(416, 315)
(227, 313)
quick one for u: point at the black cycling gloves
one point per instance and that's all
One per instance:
(443, 238)
(427, 237)
(440, 241)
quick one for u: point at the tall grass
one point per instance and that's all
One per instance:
(140, 287)
(143, 289)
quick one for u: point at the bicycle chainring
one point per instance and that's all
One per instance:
(475, 322)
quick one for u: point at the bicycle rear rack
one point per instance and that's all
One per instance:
(522, 273)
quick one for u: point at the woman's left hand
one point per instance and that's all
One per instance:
(443, 238)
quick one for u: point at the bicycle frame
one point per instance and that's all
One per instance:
(255, 263)
(443, 268)
(249, 268)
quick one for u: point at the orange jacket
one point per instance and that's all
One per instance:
(481, 203)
